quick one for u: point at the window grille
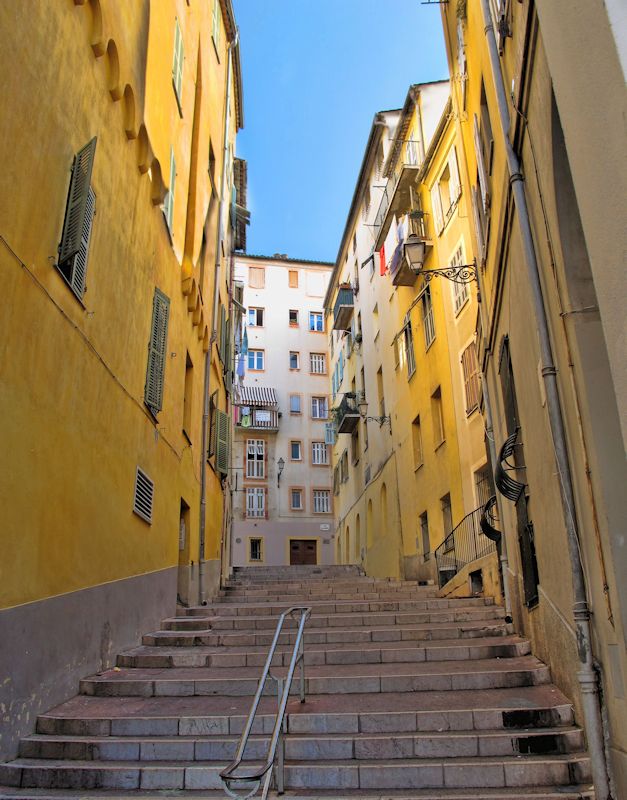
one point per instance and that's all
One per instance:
(319, 454)
(318, 363)
(256, 550)
(321, 501)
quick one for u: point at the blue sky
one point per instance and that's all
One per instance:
(315, 72)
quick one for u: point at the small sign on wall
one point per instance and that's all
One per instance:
(324, 526)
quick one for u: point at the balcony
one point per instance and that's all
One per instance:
(343, 308)
(346, 415)
(413, 224)
(256, 408)
(399, 196)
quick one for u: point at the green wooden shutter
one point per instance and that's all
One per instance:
(223, 439)
(153, 392)
(77, 201)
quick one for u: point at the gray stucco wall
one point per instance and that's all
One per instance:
(46, 647)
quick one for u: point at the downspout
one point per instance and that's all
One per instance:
(216, 294)
(587, 677)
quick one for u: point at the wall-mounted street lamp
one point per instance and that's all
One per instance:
(281, 466)
(362, 405)
(415, 250)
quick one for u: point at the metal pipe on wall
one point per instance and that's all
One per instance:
(587, 676)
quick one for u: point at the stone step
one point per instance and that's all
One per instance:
(187, 623)
(340, 653)
(370, 618)
(337, 607)
(331, 679)
(309, 747)
(507, 709)
(477, 772)
(527, 793)
(380, 633)
(300, 598)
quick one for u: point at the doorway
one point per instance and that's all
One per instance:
(303, 551)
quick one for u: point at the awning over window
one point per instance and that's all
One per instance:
(255, 396)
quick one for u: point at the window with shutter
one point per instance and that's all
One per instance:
(78, 197)
(455, 186)
(223, 440)
(79, 215)
(472, 386)
(478, 224)
(215, 23)
(168, 205)
(157, 345)
(481, 170)
(213, 406)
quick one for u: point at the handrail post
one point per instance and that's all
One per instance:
(302, 669)
(280, 766)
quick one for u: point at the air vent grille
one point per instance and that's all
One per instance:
(144, 493)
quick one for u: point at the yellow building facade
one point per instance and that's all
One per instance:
(541, 120)
(410, 466)
(118, 136)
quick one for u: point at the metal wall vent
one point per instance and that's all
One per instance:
(144, 492)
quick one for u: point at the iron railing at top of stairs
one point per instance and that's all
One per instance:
(463, 545)
(258, 776)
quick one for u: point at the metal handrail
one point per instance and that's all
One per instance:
(264, 773)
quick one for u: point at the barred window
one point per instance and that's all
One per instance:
(321, 501)
(319, 453)
(318, 363)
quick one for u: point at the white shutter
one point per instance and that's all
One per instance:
(455, 185)
(483, 176)
(436, 207)
(177, 61)
(478, 228)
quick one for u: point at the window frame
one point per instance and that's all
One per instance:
(301, 493)
(256, 310)
(296, 323)
(294, 355)
(300, 404)
(258, 462)
(315, 402)
(300, 450)
(321, 360)
(254, 352)
(256, 491)
(250, 558)
(313, 315)
(259, 275)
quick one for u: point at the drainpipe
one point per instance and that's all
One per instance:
(216, 295)
(587, 677)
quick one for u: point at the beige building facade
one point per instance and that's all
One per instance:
(283, 502)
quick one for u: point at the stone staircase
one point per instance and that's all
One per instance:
(408, 696)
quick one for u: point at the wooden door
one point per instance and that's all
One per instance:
(303, 551)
